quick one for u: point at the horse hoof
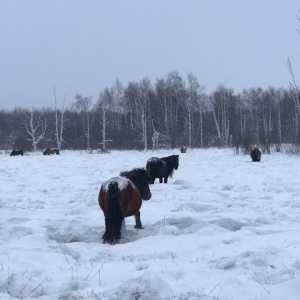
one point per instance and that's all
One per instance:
(138, 227)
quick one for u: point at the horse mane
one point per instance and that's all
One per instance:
(133, 173)
(169, 162)
(137, 176)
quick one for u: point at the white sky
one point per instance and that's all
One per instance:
(83, 46)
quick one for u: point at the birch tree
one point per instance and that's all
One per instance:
(294, 89)
(138, 97)
(117, 103)
(160, 117)
(174, 100)
(82, 105)
(35, 127)
(194, 101)
(220, 107)
(201, 107)
(253, 98)
(104, 103)
(59, 121)
(277, 96)
(267, 121)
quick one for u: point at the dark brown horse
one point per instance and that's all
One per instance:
(121, 197)
(162, 168)
(183, 149)
(49, 151)
(255, 155)
(16, 152)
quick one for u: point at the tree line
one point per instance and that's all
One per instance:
(169, 113)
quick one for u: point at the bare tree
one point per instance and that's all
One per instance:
(253, 99)
(220, 107)
(267, 121)
(155, 138)
(35, 127)
(202, 108)
(276, 95)
(83, 104)
(105, 101)
(59, 122)
(175, 94)
(137, 96)
(117, 93)
(194, 101)
(294, 88)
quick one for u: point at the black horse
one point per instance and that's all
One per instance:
(162, 168)
(16, 152)
(255, 155)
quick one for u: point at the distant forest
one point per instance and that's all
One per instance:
(167, 114)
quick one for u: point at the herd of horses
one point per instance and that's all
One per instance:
(47, 151)
(122, 196)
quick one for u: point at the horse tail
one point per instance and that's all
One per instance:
(114, 219)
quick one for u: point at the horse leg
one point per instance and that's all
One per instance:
(165, 179)
(160, 180)
(138, 223)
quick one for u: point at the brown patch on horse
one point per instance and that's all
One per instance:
(121, 197)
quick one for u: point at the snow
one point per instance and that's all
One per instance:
(122, 182)
(222, 228)
(153, 159)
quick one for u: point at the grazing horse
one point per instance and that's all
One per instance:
(49, 151)
(255, 155)
(16, 152)
(121, 197)
(162, 168)
(183, 149)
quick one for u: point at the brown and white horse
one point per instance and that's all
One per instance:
(121, 197)
(49, 151)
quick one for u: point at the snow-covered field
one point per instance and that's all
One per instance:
(222, 228)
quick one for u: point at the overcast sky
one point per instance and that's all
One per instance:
(83, 46)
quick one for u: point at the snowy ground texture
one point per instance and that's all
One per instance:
(222, 228)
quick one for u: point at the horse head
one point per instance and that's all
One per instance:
(46, 151)
(140, 177)
(175, 161)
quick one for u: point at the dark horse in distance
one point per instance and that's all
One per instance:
(121, 197)
(16, 152)
(255, 155)
(49, 151)
(162, 168)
